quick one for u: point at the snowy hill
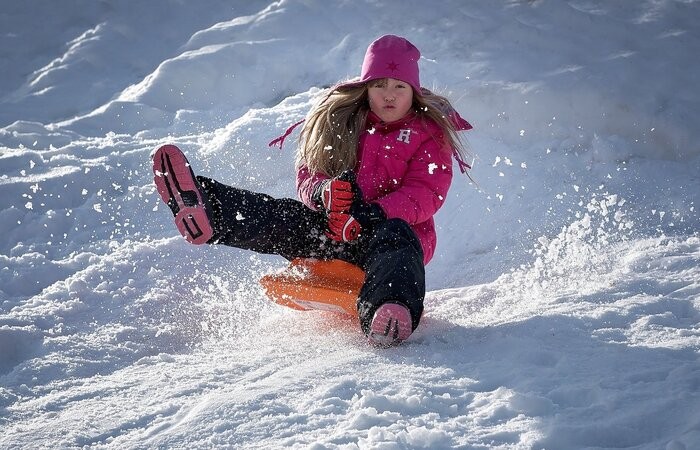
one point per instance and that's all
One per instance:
(564, 298)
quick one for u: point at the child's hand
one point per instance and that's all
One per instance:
(347, 212)
(336, 196)
(342, 227)
(367, 214)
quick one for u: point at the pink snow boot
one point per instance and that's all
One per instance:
(391, 325)
(180, 190)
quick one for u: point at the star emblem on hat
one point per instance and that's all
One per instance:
(392, 66)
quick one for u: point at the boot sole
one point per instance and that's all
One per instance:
(390, 326)
(175, 182)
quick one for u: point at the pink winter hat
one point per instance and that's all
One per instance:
(390, 57)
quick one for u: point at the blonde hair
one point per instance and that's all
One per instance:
(331, 132)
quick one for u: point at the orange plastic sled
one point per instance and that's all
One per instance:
(327, 285)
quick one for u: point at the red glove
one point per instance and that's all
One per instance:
(342, 227)
(336, 195)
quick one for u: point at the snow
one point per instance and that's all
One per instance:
(564, 298)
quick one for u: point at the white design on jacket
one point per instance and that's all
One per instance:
(405, 136)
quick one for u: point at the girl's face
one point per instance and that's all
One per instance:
(390, 99)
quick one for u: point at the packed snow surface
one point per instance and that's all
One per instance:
(563, 309)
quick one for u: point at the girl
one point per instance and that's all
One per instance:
(373, 167)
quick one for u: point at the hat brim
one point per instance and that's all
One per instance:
(357, 82)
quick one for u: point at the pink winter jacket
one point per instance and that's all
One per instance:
(405, 167)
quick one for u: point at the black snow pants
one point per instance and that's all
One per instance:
(391, 255)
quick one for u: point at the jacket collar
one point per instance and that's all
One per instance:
(373, 121)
